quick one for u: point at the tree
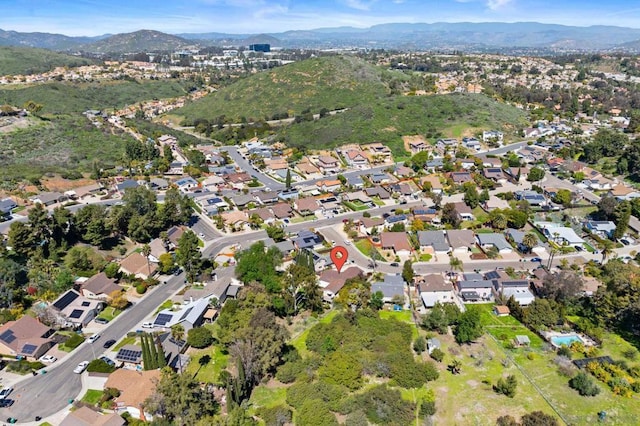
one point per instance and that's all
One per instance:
(166, 264)
(450, 216)
(275, 232)
(607, 247)
(287, 182)
(456, 264)
(499, 221)
(146, 251)
(563, 196)
(530, 241)
(506, 420)
(377, 300)
(622, 216)
(188, 255)
(607, 207)
(471, 197)
(538, 418)
(561, 286)
(535, 174)
(506, 387)
(118, 300)
(469, 327)
(407, 272)
(199, 337)
(179, 399)
(584, 384)
(420, 345)
(33, 107)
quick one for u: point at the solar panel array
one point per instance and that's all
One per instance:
(86, 303)
(129, 355)
(63, 302)
(163, 319)
(7, 336)
(29, 349)
(76, 313)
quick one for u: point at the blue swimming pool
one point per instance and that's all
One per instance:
(566, 339)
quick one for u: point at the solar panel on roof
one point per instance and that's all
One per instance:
(7, 336)
(65, 300)
(86, 303)
(129, 355)
(76, 313)
(29, 349)
(163, 319)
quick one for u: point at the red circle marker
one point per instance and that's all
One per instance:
(339, 256)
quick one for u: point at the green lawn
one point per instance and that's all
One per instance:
(377, 201)
(505, 329)
(355, 205)
(109, 313)
(73, 342)
(299, 340)
(209, 372)
(425, 257)
(126, 341)
(167, 304)
(364, 245)
(92, 396)
(263, 396)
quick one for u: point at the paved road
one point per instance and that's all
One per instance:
(243, 164)
(47, 394)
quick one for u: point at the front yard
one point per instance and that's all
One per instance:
(109, 313)
(206, 370)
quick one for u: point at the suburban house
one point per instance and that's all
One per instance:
(83, 191)
(397, 218)
(427, 216)
(498, 241)
(159, 184)
(238, 180)
(518, 174)
(332, 281)
(418, 146)
(492, 135)
(48, 198)
(461, 240)
(85, 416)
(434, 289)
(377, 191)
(379, 178)
(494, 203)
(306, 206)
(472, 144)
(329, 185)
(135, 387)
(624, 193)
(307, 240)
(99, 286)
(517, 237)
(378, 151)
(432, 183)
(186, 184)
(464, 211)
(126, 184)
(76, 310)
(367, 224)
(328, 165)
(356, 159)
(266, 197)
(396, 241)
(461, 177)
(604, 229)
(505, 287)
(495, 174)
(25, 337)
(355, 181)
(466, 163)
(189, 316)
(137, 265)
(307, 168)
(235, 219)
(434, 241)
(532, 197)
(6, 206)
(447, 144)
(173, 235)
(472, 290)
(242, 201)
(560, 234)
(392, 288)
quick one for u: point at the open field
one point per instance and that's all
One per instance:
(21, 60)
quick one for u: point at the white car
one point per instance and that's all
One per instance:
(81, 367)
(5, 392)
(48, 358)
(94, 338)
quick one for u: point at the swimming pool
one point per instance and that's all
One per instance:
(565, 339)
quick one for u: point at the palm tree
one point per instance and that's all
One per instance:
(607, 249)
(456, 264)
(146, 251)
(529, 241)
(499, 221)
(177, 333)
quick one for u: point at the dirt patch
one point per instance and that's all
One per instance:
(11, 124)
(472, 383)
(56, 183)
(389, 129)
(408, 139)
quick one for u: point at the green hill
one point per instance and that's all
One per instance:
(330, 82)
(26, 60)
(64, 97)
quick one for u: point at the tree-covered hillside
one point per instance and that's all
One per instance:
(24, 60)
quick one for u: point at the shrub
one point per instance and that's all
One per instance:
(277, 415)
(141, 289)
(23, 366)
(288, 372)
(99, 366)
(437, 355)
(199, 337)
(420, 345)
(584, 385)
(507, 387)
(564, 351)
(74, 341)
(631, 354)
(538, 418)
(428, 408)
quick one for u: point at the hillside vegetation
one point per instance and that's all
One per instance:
(24, 60)
(330, 82)
(377, 111)
(65, 98)
(66, 143)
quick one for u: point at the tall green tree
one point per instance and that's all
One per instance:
(469, 327)
(188, 255)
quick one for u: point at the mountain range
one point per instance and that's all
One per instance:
(463, 36)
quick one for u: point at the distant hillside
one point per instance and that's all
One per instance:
(24, 60)
(330, 82)
(42, 40)
(139, 41)
(64, 98)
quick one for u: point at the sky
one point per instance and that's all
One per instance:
(97, 17)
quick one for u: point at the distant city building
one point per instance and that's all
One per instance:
(266, 48)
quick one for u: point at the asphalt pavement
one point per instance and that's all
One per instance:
(46, 394)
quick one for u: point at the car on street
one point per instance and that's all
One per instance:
(48, 358)
(81, 367)
(536, 259)
(578, 248)
(147, 325)
(6, 402)
(94, 338)
(5, 392)
(395, 264)
(100, 320)
(347, 242)
(201, 234)
(109, 343)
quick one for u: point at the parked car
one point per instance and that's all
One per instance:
(109, 343)
(6, 402)
(147, 325)
(5, 392)
(81, 367)
(108, 360)
(100, 320)
(48, 358)
(536, 259)
(394, 264)
(94, 338)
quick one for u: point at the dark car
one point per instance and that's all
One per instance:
(108, 360)
(6, 402)
(395, 264)
(536, 259)
(109, 343)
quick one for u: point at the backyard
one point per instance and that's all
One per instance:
(207, 370)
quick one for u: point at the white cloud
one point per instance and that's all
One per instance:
(358, 4)
(497, 4)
